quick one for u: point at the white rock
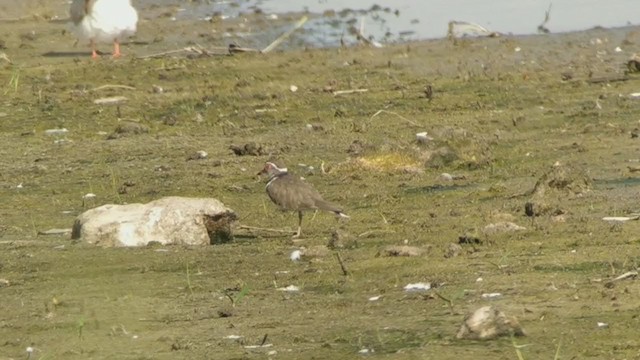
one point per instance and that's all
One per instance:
(491, 295)
(446, 177)
(295, 255)
(202, 154)
(115, 100)
(418, 287)
(56, 132)
(502, 227)
(290, 288)
(423, 137)
(488, 322)
(170, 220)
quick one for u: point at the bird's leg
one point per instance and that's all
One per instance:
(116, 48)
(297, 234)
(94, 54)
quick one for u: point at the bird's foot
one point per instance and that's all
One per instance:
(116, 50)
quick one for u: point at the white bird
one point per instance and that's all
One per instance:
(103, 21)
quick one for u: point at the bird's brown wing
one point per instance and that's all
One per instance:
(291, 193)
(80, 8)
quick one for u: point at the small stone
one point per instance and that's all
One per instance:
(487, 323)
(198, 155)
(251, 148)
(341, 239)
(404, 250)
(453, 250)
(445, 177)
(417, 287)
(127, 128)
(502, 227)
(423, 137)
(114, 100)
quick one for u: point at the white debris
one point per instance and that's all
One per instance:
(635, 95)
(201, 154)
(627, 275)
(445, 177)
(619, 218)
(458, 29)
(423, 137)
(602, 325)
(479, 279)
(366, 351)
(114, 100)
(417, 287)
(258, 346)
(295, 255)
(56, 132)
(290, 288)
(293, 88)
(618, 49)
(233, 337)
(19, 186)
(89, 196)
(502, 227)
(375, 298)
(491, 295)
(517, 49)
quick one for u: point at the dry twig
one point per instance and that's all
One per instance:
(110, 86)
(345, 272)
(352, 91)
(396, 114)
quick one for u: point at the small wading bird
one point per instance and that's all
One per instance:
(291, 193)
(104, 21)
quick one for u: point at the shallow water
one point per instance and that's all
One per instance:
(400, 20)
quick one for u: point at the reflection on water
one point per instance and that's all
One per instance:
(615, 183)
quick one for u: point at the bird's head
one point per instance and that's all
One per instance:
(272, 170)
